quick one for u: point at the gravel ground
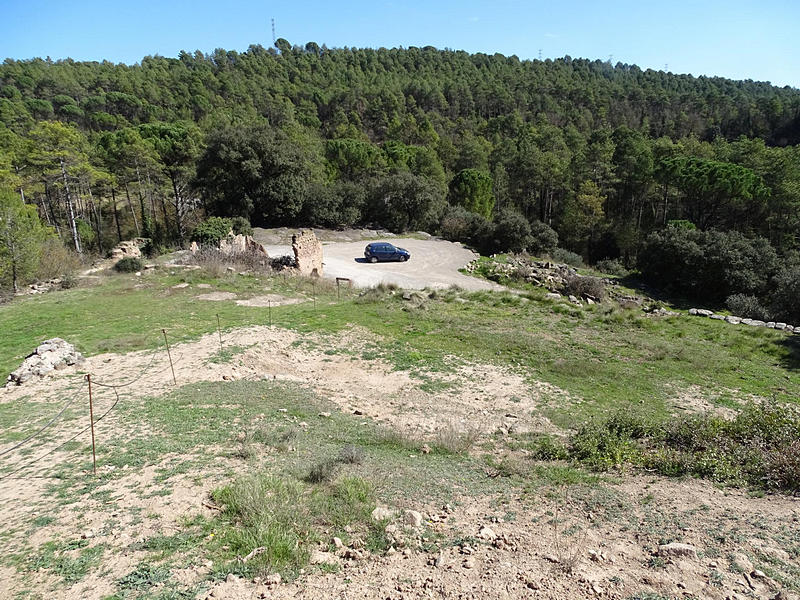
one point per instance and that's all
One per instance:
(433, 264)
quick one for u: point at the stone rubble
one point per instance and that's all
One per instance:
(51, 355)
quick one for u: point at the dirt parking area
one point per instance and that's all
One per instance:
(434, 263)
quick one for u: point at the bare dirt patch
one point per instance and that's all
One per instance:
(269, 300)
(594, 540)
(217, 296)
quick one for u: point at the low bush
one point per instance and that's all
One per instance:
(746, 306)
(543, 239)
(129, 264)
(580, 286)
(56, 260)
(562, 255)
(211, 231)
(759, 447)
(612, 266)
(241, 226)
(785, 293)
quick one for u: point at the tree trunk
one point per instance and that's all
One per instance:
(14, 275)
(116, 214)
(70, 210)
(133, 212)
(98, 220)
(178, 209)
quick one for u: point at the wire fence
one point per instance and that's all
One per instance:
(48, 433)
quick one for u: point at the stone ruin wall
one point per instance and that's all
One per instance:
(307, 253)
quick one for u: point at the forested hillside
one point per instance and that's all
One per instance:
(492, 150)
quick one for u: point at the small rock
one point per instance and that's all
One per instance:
(551, 558)
(469, 562)
(486, 533)
(272, 580)
(231, 578)
(677, 550)
(756, 574)
(337, 543)
(413, 518)
(425, 449)
(320, 558)
(325, 415)
(381, 513)
(597, 589)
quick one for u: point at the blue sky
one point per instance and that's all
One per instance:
(757, 39)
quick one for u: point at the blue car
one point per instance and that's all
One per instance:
(381, 251)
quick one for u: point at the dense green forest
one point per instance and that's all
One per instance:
(606, 161)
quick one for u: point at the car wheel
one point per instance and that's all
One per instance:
(404, 259)
(373, 259)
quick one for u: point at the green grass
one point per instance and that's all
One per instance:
(125, 313)
(70, 561)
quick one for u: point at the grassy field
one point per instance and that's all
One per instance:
(604, 356)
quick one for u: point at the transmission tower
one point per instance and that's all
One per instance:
(274, 39)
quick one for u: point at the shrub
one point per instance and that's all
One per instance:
(747, 306)
(708, 265)
(612, 266)
(759, 447)
(543, 239)
(323, 470)
(512, 232)
(562, 255)
(782, 468)
(56, 260)
(129, 265)
(211, 231)
(785, 294)
(579, 286)
(455, 439)
(241, 226)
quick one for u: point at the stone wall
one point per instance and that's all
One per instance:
(129, 249)
(241, 244)
(307, 253)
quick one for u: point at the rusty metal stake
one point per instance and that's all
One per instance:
(175, 381)
(219, 331)
(91, 423)
(338, 295)
(269, 308)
